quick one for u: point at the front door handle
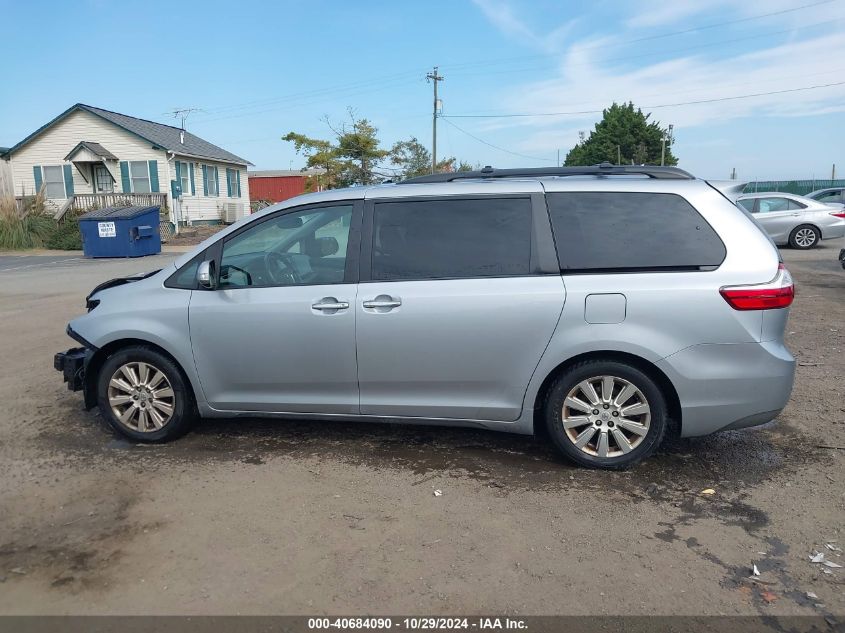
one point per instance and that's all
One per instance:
(383, 302)
(330, 305)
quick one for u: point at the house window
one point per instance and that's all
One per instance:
(232, 176)
(185, 178)
(54, 182)
(212, 181)
(139, 172)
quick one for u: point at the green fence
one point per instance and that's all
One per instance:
(798, 187)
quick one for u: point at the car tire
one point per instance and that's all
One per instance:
(144, 395)
(804, 237)
(627, 424)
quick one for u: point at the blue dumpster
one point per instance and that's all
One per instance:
(120, 232)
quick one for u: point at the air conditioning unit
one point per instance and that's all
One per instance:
(233, 212)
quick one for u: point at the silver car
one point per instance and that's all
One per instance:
(606, 304)
(831, 195)
(795, 220)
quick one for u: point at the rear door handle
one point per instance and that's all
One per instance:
(385, 302)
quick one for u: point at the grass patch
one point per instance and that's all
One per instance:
(30, 228)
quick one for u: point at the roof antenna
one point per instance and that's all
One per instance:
(183, 114)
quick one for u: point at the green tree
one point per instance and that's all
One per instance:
(320, 154)
(623, 130)
(352, 158)
(411, 159)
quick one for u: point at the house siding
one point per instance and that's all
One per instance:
(56, 142)
(202, 208)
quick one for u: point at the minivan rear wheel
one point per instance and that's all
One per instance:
(804, 237)
(606, 414)
(143, 395)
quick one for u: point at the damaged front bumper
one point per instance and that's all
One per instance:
(73, 363)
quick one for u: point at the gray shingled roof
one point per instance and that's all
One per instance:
(167, 136)
(164, 136)
(94, 148)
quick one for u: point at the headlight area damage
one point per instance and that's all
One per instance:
(91, 302)
(74, 362)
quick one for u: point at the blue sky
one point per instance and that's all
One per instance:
(259, 70)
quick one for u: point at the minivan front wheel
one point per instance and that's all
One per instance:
(606, 414)
(143, 395)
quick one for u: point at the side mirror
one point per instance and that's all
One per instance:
(206, 275)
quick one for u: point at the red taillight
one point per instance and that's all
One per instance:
(778, 293)
(838, 214)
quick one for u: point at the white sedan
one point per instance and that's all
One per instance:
(795, 220)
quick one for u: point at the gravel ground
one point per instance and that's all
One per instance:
(260, 517)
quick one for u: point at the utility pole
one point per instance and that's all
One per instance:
(434, 78)
(833, 172)
(618, 154)
(666, 136)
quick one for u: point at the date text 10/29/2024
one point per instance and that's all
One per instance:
(417, 624)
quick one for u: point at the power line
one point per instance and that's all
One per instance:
(501, 149)
(494, 62)
(399, 77)
(645, 107)
(672, 51)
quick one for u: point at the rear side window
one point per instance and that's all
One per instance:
(608, 231)
(457, 238)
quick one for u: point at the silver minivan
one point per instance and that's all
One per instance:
(603, 303)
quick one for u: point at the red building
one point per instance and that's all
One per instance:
(279, 184)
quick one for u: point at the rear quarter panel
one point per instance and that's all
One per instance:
(667, 311)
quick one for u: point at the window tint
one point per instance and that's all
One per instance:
(437, 239)
(186, 277)
(631, 231)
(829, 196)
(794, 204)
(771, 205)
(302, 248)
(747, 204)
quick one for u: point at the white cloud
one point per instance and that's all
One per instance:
(502, 15)
(651, 13)
(792, 65)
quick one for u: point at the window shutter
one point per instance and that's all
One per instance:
(217, 180)
(205, 180)
(68, 180)
(36, 171)
(228, 182)
(153, 176)
(238, 172)
(191, 172)
(124, 177)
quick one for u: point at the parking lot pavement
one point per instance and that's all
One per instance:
(318, 517)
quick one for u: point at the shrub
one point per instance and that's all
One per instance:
(66, 235)
(29, 228)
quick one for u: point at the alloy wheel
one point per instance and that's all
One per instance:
(606, 416)
(141, 397)
(805, 237)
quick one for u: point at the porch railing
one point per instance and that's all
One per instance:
(82, 201)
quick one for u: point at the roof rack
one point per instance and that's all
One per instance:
(604, 169)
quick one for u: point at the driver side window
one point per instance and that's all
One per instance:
(302, 248)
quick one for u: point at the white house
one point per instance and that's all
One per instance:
(88, 156)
